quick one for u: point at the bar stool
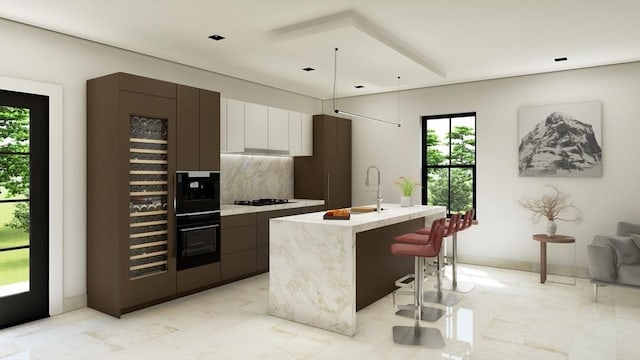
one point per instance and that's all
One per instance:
(417, 335)
(407, 283)
(438, 297)
(455, 224)
(462, 286)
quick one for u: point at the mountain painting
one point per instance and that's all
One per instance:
(561, 140)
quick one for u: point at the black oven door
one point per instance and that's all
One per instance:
(198, 238)
(197, 191)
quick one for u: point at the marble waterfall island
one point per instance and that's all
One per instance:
(322, 271)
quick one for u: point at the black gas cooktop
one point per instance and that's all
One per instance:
(261, 202)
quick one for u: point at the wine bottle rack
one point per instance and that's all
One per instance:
(148, 197)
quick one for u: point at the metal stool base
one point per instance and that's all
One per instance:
(447, 299)
(461, 286)
(428, 313)
(427, 337)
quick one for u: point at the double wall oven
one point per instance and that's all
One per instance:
(197, 218)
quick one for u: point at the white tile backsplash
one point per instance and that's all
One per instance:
(247, 177)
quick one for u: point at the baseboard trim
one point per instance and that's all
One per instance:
(564, 270)
(74, 302)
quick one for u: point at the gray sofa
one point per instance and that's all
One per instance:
(615, 260)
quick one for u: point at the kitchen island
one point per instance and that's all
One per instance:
(322, 271)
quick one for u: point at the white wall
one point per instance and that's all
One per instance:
(34, 54)
(503, 236)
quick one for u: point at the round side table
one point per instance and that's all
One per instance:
(544, 239)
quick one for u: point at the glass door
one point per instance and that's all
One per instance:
(24, 236)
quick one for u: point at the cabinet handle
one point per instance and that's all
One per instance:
(174, 244)
(328, 189)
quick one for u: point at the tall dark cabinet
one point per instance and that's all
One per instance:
(198, 136)
(133, 150)
(327, 174)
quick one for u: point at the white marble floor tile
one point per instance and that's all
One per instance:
(509, 315)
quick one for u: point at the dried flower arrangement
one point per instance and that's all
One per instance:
(552, 206)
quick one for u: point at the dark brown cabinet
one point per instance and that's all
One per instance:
(198, 133)
(131, 127)
(139, 132)
(327, 174)
(238, 246)
(245, 241)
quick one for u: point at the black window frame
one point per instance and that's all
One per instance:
(426, 167)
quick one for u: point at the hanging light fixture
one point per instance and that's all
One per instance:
(335, 62)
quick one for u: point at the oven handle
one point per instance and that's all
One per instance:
(200, 213)
(200, 227)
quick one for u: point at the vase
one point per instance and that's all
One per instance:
(551, 227)
(405, 201)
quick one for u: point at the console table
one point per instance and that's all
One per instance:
(544, 239)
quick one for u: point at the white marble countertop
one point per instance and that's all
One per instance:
(230, 209)
(391, 214)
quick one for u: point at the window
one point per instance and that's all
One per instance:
(449, 161)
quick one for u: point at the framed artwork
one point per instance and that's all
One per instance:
(560, 140)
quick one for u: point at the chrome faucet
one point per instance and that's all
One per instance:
(366, 182)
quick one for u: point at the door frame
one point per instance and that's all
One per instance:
(54, 92)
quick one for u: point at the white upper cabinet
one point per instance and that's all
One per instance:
(278, 129)
(300, 134)
(256, 126)
(231, 125)
(294, 133)
(248, 127)
(306, 135)
(223, 124)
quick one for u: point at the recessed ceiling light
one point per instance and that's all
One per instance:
(216, 37)
(359, 86)
(308, 69)
(560, 59)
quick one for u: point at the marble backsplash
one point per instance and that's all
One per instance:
(248, 177)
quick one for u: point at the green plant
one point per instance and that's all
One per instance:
(407, 185)
(20, 219)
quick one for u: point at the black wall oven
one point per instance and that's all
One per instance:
(198, 237)
(197, 218)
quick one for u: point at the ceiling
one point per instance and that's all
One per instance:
(424, 43)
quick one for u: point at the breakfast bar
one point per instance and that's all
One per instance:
(323, 271)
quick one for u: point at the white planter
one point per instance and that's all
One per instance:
(551, 227)
(405, 201)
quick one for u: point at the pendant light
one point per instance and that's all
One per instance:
(335, 61)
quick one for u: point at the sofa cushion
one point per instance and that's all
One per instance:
(626, 228)
(629, 275)
(627, 251)
(636, 239)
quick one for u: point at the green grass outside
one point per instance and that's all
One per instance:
(14, 265)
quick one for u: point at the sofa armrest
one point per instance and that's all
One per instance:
(603, 262)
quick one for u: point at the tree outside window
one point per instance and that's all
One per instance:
(449, 144)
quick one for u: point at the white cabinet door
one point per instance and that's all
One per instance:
(256, 124)
(223, 124)
(294, 133)
(278, 129)
(235, 126)
(306, 135)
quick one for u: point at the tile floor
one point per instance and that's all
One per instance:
(508, 315)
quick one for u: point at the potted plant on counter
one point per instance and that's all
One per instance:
(552, 207)
(407, 186)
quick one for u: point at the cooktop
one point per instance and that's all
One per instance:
(261, 202)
